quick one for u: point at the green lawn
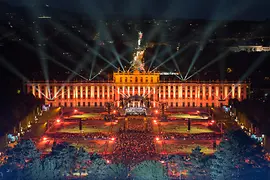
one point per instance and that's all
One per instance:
(86, 128)
(87, 115)
(184, 116)
(182, 128)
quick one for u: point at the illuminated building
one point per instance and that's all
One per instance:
(138, 82)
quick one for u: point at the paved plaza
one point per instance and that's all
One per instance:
(130, 139)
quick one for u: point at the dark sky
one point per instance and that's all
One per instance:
(207, 9)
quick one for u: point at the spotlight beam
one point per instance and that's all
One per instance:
(251, 68)
(12, 69)
(168, 59)
(209, 64)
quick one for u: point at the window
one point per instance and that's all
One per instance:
(71, 105)
(79, 104)
(89, 104)
(83, 104)
(183, 104)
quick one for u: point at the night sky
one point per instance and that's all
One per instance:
(204, 9)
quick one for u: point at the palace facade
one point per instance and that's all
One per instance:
(146, 84)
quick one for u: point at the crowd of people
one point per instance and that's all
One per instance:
(77, 136)
(200, 136)
(133, 145)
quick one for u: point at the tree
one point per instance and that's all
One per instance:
(225, 160)
(98, 169)
(65, 156)
(232, 155)
(82, 159)
(117, 171)
(197, 168)
(148, 170)
(177, 163)
(20, 156)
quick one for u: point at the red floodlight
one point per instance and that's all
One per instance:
(114, 111)
(113, 139)
(156, 111)
(213, 121)
(155, 121)
(45, 138)
(75, 110)
(58, 120)
(157, 138)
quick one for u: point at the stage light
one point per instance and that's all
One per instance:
(155, 121)
(45, 138)
(58, 120)
(75, 110)
(157, 138)
(113, 139)
(213, 121)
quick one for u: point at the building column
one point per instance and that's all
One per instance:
(98, 91)
(203, 92)
(39, 91)
(225, 92)
(86, 92)
(186, 92)
(164, 92)
(191, 92)
(68, 88)
(217, 91)
(169, 92)
(144, 90)
(239, 92)
(139, 90)
(233, 91)
(133, 90)
(154, 94)
(103, 92)
(108, 92)
(92, 92)
(180, 91)
(81, 94)
(159, 94)
(63, 92)
(210, 92)
(46, 92)
(34, 90)
(128, 90)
